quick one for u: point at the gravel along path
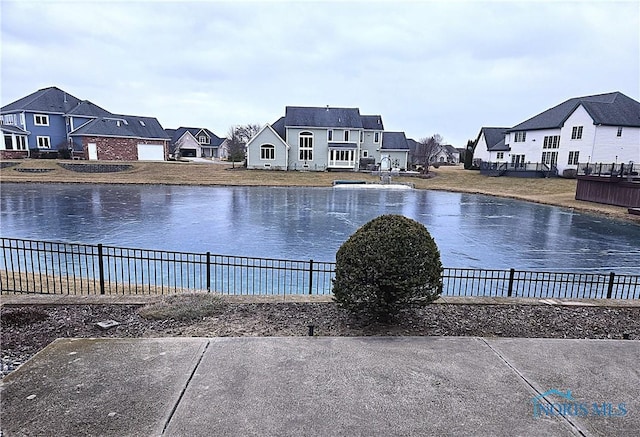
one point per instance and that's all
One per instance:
(28, 328)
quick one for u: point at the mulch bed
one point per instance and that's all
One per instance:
(29, 328)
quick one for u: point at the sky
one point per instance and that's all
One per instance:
(427, 67)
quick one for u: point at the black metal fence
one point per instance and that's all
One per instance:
(609, 170)
(28, 266)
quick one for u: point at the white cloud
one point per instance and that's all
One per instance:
(426, 67)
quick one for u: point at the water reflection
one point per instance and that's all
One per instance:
(302, 223)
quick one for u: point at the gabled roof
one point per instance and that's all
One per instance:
(299, 116)
(500, 146)
(394, 141)
(271, 128)
(413, 145)
(372, 122)
(279, 128)
(494, 137)
(126, 126)
(612, 109)
(450, 149)
(176, 134)
(46, 100)
(11, 129)
(87, 109)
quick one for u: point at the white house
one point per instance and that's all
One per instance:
(326, 138)
(490, 146)
(602, 128)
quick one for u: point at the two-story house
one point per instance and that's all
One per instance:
(52, 122)
(325, 138)
(194, 142)
(602, 128)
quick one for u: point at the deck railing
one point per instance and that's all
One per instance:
(30, 266)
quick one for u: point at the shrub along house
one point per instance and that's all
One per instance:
(602, 128)
(319, 139)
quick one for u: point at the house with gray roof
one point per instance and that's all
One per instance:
(490, 145)
(54, 123)
(122, 138)
(325, 138)
(195, 142)
(602, 128)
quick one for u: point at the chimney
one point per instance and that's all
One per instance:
(327, 108)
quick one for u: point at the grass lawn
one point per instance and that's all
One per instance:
(554, 191)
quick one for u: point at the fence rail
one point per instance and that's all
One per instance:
(29, 266)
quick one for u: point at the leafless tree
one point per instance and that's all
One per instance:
(426, 150)
(237, 140)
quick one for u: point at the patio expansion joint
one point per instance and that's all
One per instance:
(537, 392)
(186, 386)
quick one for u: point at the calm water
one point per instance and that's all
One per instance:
(311, 223)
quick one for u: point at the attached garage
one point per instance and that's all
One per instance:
(150, 152)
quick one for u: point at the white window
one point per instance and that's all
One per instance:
(203, 139)
(500, 155)
(520, 137)
(330, 135)
(22, 143)
(342, 155)
(517, 160)
(376, 137)
(365, 153)
(576, 133)
(41, 119)
(44, 142)
(619, 134)
(8, 119)
(550, 158)
(8, 142)
(551, 142)
(306, 146)
(573, 158)
(267, 152)
(346, 135)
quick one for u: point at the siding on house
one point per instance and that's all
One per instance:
(266, 137)
(71, 122)
(331, 149)
(587, 131)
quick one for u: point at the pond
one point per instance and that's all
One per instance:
(311, 223)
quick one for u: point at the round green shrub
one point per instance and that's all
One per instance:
(388, 265)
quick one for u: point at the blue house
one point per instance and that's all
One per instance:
(326, 138)
(53, 123)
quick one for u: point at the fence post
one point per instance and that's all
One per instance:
(512, 273)
(610, 289)
(310, 275)
(101, 268)
(208, 272)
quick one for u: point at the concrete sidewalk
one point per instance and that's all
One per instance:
(326, 386)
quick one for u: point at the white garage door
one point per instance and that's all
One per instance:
(150, 152)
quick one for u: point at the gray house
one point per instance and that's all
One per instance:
(319, 139)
